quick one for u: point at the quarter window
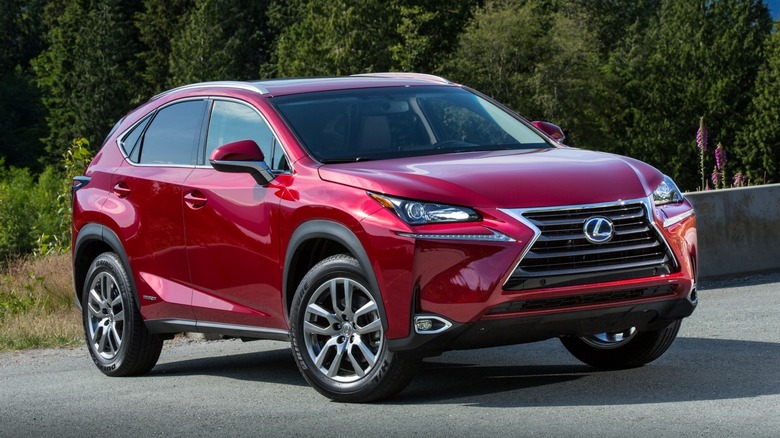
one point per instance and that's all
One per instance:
(131, 143)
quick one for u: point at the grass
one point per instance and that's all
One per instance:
(36, 304)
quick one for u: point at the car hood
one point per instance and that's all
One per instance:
(503, 179)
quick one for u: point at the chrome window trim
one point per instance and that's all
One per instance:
(517, 213)
(180, 166)
(120, 138)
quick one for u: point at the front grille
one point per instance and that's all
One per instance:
(582, 300)
(562, 256)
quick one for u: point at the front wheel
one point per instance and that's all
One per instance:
(625, 349)
(118, 341)
(338, 335)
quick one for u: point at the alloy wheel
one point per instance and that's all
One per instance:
(343, 330)
(106, 315)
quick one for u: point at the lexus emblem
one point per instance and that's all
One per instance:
(598, 230)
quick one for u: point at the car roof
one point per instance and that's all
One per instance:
(281, 87)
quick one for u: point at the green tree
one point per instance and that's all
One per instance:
(27, 209)
(89, 72)
(428, 32)
(758, 143)
(611, 21)
(498, 50)
(540, 60)
(221, 40)
(338, 37)
(21, 120)
(21, 113)
(570, 86)
(696, 58)
(281, 14)
(22, 29)
(158, 23)
(16, 216)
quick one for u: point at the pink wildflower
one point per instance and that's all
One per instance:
(739, 180)
(720, 157)
(715, 177)
(701, 136)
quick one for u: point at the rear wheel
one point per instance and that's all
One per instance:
(338, 335)
(118, 341)
(625, 349)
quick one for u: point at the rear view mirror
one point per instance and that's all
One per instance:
(383, 107)
(243, 156)
(551, 130)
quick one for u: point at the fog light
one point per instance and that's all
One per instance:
(430, 324)
(423, 325)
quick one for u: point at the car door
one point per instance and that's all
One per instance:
(229, 222)
(161, 152)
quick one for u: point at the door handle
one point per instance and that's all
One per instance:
(121, 190)
(195, 199)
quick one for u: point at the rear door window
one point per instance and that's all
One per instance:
(173, 135)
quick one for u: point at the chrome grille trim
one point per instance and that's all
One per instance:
(559, 254)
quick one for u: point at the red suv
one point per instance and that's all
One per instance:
(371, 220)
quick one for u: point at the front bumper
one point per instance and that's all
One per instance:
(466, 284)
(507, 331)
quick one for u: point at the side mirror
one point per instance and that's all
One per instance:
(552, 130)
(243, 156)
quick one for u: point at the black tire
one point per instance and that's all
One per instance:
(117, 339)
(338, 336)
(634, 351)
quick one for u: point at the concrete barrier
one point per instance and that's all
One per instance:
(738, 230)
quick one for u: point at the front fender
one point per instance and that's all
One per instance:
(325, 229)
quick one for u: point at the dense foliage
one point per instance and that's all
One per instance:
(633, 77)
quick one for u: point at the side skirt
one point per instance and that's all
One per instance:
(163, 326)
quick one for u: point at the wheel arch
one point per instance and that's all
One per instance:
(314, 241)
(92, 240)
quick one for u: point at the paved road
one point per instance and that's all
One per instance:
(720, 378)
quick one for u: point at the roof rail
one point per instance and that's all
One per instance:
(406, 75)
(216, 84)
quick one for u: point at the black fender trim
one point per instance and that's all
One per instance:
(89, 233)
(324, 229)
(171, 326)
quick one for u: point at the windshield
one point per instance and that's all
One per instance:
(379, 123)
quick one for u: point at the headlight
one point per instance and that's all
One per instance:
(421, 213)
(667, 192)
